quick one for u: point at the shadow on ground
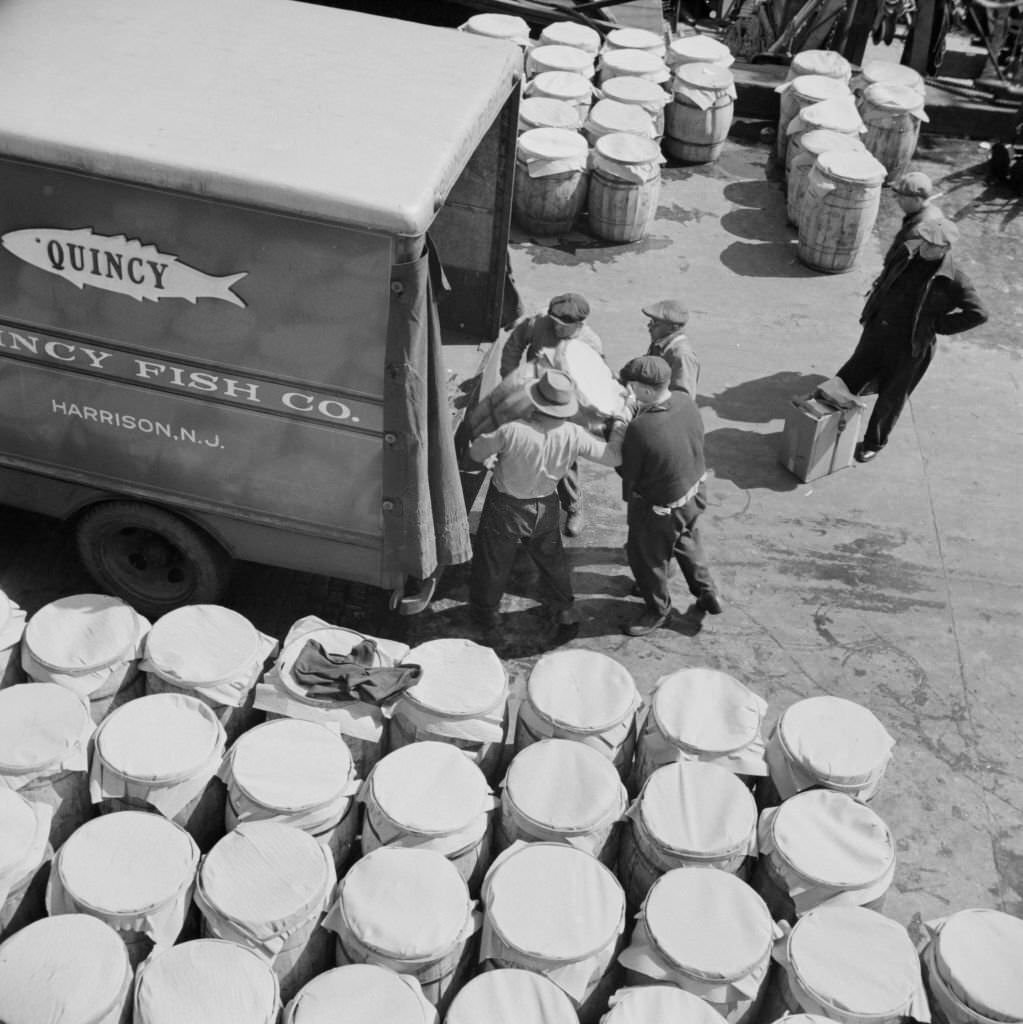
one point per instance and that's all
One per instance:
(760, 400)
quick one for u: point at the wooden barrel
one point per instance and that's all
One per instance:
(45, 731)
(698, 49)
(266, 885)
(543, 112)
(571, 33)
(563, 85)
(70, 968)
(635, 63)
(608, 116)
(700, 115)
(299, 773)
(838, 114)
(89, 643)
(701, 714)
(430, 796)
(892, 114)
(852, 965)
(821, 847)
(12, 626)
(640, 92)
(886, 71)
(585, 807)
(368, 994)
(213, 654)
(828, 63)
(971, 967)
(626, 38)
(25, 854)
(804, 151)
(188, 982)
(133, 870)
(625, 184)
(161, 753)
(558, 911)
(461, 698)
(408, 910)
(550, 180)
(569, 59)
(843, 193)
(725, 960)
(649, 1003)
(797, 93)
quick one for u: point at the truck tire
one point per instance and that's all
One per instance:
(151, 558)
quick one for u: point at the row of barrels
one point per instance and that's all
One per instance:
(561, 861)
(838, 146)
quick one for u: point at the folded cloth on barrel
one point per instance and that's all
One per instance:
(327, 676)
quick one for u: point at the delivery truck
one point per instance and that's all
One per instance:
(233, 239)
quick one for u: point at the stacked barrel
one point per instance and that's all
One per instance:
(331, 852)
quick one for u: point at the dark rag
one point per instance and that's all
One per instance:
(351, 676)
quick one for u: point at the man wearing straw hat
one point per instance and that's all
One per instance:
(537, 338)
(530, 457)
(920, 293)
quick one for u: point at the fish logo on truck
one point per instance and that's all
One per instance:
(117, 263)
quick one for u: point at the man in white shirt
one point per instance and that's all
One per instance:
(522, 505)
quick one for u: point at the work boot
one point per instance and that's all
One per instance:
(647, 622)
(710, 603)
(575, 522)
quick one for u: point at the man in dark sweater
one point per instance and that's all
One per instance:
(663, 474)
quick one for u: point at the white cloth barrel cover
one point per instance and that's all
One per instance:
(892, 74)
(368, 993)
(206, 980)
(509, 995)
(460, 698)
(634, 39)
(362, 725)
(823, 848)
(611, 116)
(297, 772)
(544, 112)
(162, 752)
(563, 791)
(831, 742)
(638, 92)
(701, 714)
(571, 33)
(44, 752)
(559, 58)
(208, 651)
(852, 965)
(89, 643)
(708, 932)
(698, 50)
(972, 963)
(688, 815)
(820, 62)
(24, 849)
(584, 696)
(563, 85)
(627, 158)
(72, 968)
(498, 26)
(408, 910)
(548, 151)
(641, 63)
(432, 796)
(266, 885)
(12, 626)
(654, 1004)
(558, 911)
(132, 869)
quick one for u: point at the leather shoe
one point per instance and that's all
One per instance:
(575, 523)
(710, 603)
(647, 623)
(862, 454)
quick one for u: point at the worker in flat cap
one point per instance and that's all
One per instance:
(915, 193)
(920, 294)
(666, 321)
(528, 458)
(537, 339)
(663, 473)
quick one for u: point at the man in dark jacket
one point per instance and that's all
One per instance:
(919, 294)
(663, 472)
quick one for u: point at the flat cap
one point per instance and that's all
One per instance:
(669, 310)
(651, 370)
(570, 308)
(938, 232)
(915, 183)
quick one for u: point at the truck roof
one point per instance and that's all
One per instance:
(308, 109)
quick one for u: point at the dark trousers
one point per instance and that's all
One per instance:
(569, 495)
(505, 523)
(891, 364)
(654, 541)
